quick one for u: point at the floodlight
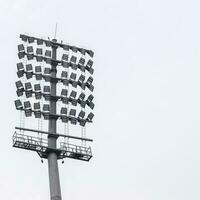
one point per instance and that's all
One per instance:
(28, 89)
(24, 38)
(64, 117)
(29, 71)
(82, 122)
(81, 114)
(20, 69)
(64, 98)
(90, 98)
(83, 51)
(21, 47)
(20, 88)
(73, 62)
(39, 51)
(90, 104)
(46, 108)
(81, 100)
(90, 53)
(21, 54)
(37, 111)
(46, 111)
(65, 64)
(30, 49)
(47, 73)
(72, 114)
(74, 49)
(38, 72)
(89, 83)
(48, 43)
(18, 104)
(65, 57)
(81, 64)
(90, 117)
(27, 108)
(39, 58)
(39, 41)
(36, 106)
(89, 101)
(81, 81)
(64, 76)
(66, 47)
(88, 66)
(46, 91)
(37, 89)
(63, 111)
(30, 52)
(47, 53)
(30, 39)
(72, 98)
(73, 79)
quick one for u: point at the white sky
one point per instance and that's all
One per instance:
(147, 114)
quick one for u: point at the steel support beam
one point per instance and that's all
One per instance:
(54, 181)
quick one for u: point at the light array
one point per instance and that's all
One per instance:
(69, 95)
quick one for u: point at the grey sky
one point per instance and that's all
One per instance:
(146, 130)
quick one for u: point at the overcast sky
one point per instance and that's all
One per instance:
(146, 126)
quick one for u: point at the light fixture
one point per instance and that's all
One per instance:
(28, 89)
(21, 48)
(64, 98)
(89, 101)
(90, 117)
(81, 81)
(72, 114)
(72, 78)
(24, 38)
(39, 41)
(72, 98)
(47, 73)
(47, 53)
(38, 72)
(18, 104)
(63, 113)
(81, 64)
(21, 54)
(37, 90)
(46, 91)
(89, 84)
(20, 88)
(29, 71)
(88, 66)
(81, 100)
(30, 39)
(20, 69)
(73, 62)
(46, 111)
(37, 111)
(81, 120)
(27, 108)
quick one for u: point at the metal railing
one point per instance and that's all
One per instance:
(21, 138)
(75, 148)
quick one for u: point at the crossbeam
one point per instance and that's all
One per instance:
(54, 134)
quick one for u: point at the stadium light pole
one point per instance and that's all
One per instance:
(48, 148)
(54, 180)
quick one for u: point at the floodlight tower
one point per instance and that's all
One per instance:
(46, 144)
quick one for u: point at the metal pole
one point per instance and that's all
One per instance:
(54, 182)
